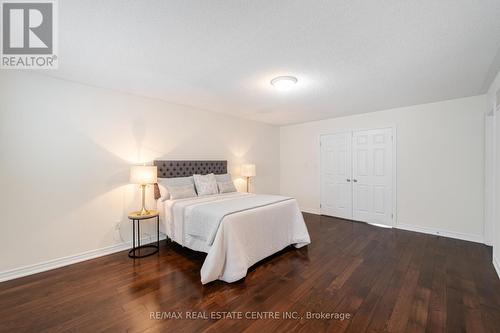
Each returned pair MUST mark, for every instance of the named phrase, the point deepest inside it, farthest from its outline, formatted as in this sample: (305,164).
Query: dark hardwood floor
(386,280)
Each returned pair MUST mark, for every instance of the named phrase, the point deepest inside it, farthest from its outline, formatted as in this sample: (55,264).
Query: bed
(235,229)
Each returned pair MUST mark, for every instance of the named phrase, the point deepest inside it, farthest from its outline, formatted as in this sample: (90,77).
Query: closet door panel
(372,176)
(336,165)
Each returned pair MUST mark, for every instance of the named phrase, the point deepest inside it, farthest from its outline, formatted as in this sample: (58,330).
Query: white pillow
(181,192)
(226,187)
(226,177)
(205,184)
(164,183)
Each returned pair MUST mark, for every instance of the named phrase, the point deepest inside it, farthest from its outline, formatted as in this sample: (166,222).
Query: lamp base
(143,210)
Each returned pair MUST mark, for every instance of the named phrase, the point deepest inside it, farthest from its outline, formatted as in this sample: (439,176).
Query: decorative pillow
(205,184)
(164,183)
(226,177)
(181,192)
(226,187)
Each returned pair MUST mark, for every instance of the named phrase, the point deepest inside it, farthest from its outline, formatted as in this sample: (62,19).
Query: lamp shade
(143,174)
(248,170)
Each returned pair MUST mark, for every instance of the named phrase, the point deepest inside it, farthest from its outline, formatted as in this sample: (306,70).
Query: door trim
(490,156)
(394,164)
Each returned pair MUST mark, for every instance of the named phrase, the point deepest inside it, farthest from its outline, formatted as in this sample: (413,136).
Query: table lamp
(247,171)
(143,175)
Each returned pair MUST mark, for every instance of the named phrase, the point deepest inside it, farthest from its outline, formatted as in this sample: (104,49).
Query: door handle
(348,180)
(355,180)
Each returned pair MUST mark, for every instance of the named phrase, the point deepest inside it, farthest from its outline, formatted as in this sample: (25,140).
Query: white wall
(66,149)
(493,105)
(440,163)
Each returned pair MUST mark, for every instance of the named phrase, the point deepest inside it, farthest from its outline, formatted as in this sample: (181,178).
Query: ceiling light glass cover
(284,82)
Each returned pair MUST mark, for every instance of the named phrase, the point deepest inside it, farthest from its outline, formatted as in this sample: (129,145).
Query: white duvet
(242,238)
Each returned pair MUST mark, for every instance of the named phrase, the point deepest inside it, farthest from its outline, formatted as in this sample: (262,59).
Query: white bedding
(242,239)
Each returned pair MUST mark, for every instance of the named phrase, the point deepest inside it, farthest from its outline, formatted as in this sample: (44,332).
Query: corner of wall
(496,265)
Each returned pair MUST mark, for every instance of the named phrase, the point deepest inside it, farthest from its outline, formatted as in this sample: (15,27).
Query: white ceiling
(350,56)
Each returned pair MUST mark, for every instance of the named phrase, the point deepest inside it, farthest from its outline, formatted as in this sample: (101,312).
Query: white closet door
(336,162)
(372,176)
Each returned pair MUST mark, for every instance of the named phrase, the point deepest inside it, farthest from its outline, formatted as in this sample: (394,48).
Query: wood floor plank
(385,279)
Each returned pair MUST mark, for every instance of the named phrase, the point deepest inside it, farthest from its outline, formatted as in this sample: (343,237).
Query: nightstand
(135,217)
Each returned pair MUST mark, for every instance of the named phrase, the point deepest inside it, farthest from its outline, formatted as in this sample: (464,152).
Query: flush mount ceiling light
(284,82)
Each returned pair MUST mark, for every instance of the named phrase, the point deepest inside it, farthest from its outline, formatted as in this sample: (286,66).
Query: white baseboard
(441,232)
(425,230)
(310,210)
(496,264)
(73,259)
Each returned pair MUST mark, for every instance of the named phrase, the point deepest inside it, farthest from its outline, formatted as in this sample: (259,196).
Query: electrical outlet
(117,225)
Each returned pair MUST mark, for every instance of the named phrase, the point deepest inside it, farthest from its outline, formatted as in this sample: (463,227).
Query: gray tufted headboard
(173,169)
